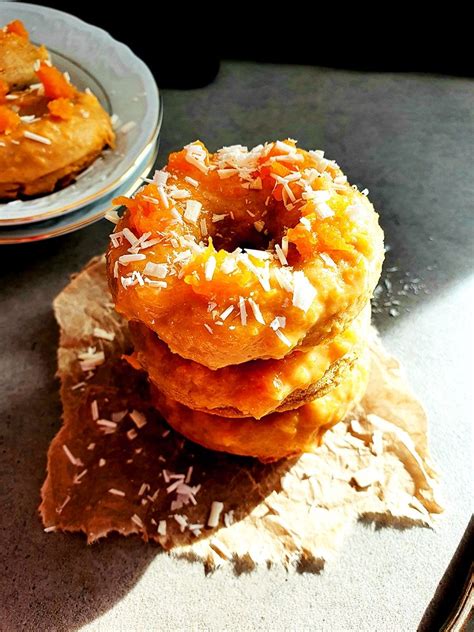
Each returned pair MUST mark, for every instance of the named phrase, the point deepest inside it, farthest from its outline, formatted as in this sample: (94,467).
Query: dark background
(183,45)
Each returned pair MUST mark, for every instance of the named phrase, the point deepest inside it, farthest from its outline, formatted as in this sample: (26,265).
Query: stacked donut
(49,130)
(246,278)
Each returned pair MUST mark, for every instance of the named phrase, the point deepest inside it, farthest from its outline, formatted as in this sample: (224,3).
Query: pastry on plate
(18,56)
(49,132)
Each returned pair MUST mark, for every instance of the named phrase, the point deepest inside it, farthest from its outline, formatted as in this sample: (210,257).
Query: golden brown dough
(255,388)
(29,167)
(276,436)
(49,131)
(17,60)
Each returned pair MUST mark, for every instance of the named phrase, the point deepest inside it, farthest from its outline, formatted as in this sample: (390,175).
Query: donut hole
(230,234)
(30,103)
(260,230)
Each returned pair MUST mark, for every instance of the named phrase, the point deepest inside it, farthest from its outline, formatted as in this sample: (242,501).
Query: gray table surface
(410,140)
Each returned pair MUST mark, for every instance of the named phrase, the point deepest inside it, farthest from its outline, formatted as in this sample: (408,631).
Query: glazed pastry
(256,388)
(243,255)
(276,436)
(49,132)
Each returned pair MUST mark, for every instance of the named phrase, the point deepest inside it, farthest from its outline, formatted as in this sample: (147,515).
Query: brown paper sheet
(373,466)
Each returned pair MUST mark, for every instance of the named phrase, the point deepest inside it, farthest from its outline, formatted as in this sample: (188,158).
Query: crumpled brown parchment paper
(373,466)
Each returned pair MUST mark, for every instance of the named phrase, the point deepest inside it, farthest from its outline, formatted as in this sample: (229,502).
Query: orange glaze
(4,90)
(17,27)
(61,108)
(276,436)
(314,214)
(253,389)
(9,120)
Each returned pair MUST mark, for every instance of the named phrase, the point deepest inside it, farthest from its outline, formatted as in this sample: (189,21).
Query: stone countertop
(410,140)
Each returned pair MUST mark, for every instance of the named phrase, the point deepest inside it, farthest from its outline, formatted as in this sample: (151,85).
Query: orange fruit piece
(18,28)
(9,120)
(61,108)
(54,82)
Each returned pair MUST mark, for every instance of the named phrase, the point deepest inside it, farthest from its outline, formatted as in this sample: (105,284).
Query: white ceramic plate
(70,222)
(125,87)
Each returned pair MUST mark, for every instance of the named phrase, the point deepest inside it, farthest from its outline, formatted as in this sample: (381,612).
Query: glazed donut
(49,134)
(18,56)
(253,389)
(244,255)
(276,436)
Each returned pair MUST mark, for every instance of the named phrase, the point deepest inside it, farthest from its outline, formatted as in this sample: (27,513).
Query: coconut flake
(129,236)
(37,137)
(256,311)
(366,477)
(119,415)
(281,255)
(229,518)
(112,216)
(162,527)
(104,335)
(116,492)
(278,322)
(192,211)
(160,178)
(157,270)
(94,410)
(182,256)
(127,127)
(181,520)
(138,521)
(243,311)
(215,513)
(259,254)
(303,292)
(327,260)
(70,455)
(323,210)
(138,418)
(282,337)
(191,181)
(189,473)
(227,312)
(126,259)
(306,223)
(228,265)
(106,423)
(209,268)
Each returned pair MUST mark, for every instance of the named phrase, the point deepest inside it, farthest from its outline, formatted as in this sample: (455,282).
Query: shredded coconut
(215,513)
(303,292)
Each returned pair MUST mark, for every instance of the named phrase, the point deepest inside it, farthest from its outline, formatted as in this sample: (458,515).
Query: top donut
(240,255)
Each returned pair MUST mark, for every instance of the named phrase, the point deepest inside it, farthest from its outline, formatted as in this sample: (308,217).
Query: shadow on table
(47,581)
(56,581)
